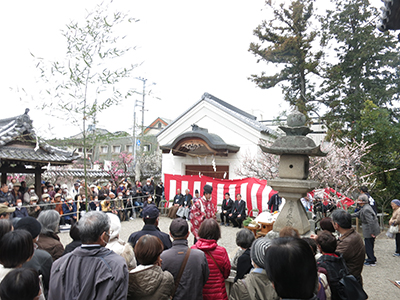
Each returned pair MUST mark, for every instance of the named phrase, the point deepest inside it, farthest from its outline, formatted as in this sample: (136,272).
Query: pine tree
(366,67)
(286,41)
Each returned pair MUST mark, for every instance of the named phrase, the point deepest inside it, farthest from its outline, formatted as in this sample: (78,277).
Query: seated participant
(69,211)
(184,208)
(238,213)
(20,211)
(178,200)
(226,208)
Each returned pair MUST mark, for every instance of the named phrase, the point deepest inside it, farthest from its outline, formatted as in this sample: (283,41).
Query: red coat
(215,285)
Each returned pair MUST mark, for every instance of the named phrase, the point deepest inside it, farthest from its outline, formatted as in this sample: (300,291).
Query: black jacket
(148,189)
(178,199)
(274,202)
(41,261)
(336,268)
(227,205)
(244,265)
(152,230)
(187,199)
(239,208)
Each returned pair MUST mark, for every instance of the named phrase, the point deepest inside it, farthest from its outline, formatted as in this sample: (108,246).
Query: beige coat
(395,217)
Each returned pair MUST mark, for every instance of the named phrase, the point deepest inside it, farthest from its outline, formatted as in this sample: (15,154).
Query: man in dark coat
(150,219)
(274,202)
(91,271)
(148,189)
(370,227)
(226,208)
(41,260)
(238,213)
(196,271)
(159,193)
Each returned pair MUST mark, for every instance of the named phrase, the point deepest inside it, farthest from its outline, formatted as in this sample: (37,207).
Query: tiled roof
(233,111)
(19,144)
(77,173)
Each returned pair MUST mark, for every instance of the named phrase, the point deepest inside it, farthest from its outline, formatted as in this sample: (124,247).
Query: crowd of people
(152,264)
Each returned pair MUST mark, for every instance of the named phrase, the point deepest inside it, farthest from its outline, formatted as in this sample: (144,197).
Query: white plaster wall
(230,129)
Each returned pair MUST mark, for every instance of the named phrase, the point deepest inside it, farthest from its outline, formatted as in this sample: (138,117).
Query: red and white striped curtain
(254,191)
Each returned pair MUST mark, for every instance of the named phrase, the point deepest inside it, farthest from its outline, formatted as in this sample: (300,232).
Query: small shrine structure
(21,151)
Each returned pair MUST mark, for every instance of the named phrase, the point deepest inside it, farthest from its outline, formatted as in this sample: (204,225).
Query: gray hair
(363,198)
(342,218)
(49,219)
(92,225)
(244,238)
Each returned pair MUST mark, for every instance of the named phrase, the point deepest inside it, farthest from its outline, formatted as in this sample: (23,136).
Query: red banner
(254,191)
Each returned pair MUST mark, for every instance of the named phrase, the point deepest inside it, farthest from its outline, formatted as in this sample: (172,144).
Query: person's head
(289,231)
(179,229)
(341,219)
(4,188)
(31,225)
(395,203)
(74,232)
(362,199)
(257,252)
(50,187)
(292,254)
(210,230)
(31,189)
(111,195)
(244,238)
(326,224)
(21,284)
(5,211)
(148,181)
(363,189)
(148,249)
(150,215)
(49,219)
(227,196)
(238,197)
(196,194)
(17,186)
(57,197)
(34,200)
(312,243)
(115,226)
(16,248)
(94,228)
(5,226)
(326,242)
(178,191)
(187,191)
(120,195)
(18,202)
(13,180)
(46,197)
(207,191)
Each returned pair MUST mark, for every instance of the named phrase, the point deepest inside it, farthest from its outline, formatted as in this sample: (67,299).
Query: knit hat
(207,189)
(396,201)
(30,224)
(257,251)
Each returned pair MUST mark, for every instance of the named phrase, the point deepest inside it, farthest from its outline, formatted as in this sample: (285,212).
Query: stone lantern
(294,150)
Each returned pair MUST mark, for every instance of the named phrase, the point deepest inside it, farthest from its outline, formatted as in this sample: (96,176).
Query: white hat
(115,226)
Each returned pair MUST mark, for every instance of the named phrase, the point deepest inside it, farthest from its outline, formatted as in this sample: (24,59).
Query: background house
(211,138)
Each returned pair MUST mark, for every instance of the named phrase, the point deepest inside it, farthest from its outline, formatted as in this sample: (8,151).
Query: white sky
(187,48)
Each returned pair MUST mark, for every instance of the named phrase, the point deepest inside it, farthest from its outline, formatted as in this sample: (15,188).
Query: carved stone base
(293,213)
